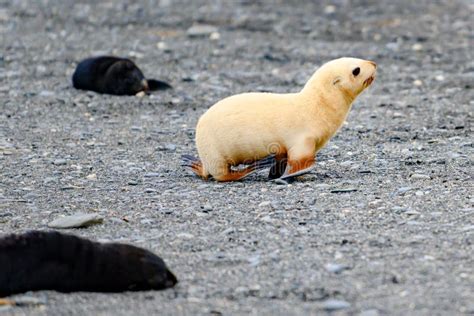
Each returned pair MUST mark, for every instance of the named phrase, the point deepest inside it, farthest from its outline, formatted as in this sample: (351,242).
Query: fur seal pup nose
(113,75)
(54,261)
(284,131)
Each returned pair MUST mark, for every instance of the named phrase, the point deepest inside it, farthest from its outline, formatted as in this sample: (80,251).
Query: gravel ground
(385,223)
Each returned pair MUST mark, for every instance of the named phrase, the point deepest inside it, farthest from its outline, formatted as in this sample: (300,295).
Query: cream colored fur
(250,126)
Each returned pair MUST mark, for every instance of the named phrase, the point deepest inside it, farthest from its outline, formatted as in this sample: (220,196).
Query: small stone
(334,305)
(132,182)
(417,83)
(419,176)
(344,190)
(404,190)
(76,221)
(207,207)
(141,94)
(185,236)
(151,175)
(46,93)
(329,9)
(60,162)
(91,176)
(199,30)
(163,46)
(417,47)
(150,190)
(369,312)
(214,36)
(439,78)
(336,268)
(265,204)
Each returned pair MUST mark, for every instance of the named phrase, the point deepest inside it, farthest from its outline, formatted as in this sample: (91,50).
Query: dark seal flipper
(55,261)
(154,85)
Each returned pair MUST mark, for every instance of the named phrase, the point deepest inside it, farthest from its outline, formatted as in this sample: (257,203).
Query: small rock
(369,312)
(214,36)
(439,78)
(265,204)
(76,221)
(91,176)
(141,94)
(207,208)
(336,268)
(417,83)
(150,190)
(60,162)
(334,305)
(419,176)
(417,47)
(329,9)
(132,182)
(199,30)
(151,175)
(345,190)
(46,93)
(185,235)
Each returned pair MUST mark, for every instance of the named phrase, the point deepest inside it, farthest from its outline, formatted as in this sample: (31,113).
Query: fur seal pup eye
(113,75)
(40,260)
(280,131)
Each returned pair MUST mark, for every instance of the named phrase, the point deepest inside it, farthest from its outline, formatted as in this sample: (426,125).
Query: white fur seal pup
(284,131)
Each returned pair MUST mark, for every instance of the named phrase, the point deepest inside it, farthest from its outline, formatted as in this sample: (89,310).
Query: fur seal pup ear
(113,75)
(283,131)
(54,261)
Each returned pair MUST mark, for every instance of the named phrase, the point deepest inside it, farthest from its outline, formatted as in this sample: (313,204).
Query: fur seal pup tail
(154,85)
(39,260)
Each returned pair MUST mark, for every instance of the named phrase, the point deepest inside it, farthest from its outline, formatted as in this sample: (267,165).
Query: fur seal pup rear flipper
(54,261)
(195,165)
(154,85)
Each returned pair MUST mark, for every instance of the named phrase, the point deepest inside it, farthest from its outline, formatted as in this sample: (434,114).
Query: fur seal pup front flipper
(291,126)
(40,260)
(113,75)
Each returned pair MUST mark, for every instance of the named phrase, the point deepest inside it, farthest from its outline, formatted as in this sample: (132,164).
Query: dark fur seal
(54,261)
(113,75)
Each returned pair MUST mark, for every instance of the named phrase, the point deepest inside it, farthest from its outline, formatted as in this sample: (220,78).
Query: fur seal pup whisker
(291,128)
(40,260)
(113,75)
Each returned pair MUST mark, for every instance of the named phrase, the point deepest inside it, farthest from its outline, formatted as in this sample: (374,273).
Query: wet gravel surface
(385,223)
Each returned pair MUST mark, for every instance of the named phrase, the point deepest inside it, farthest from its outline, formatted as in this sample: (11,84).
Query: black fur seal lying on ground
(113,75)
(54,261)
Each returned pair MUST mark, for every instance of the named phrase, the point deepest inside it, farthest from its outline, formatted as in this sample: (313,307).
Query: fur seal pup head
(348,75)
(113,75)
(280,131)
(40,260)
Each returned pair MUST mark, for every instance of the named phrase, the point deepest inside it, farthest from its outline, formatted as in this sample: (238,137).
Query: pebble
(91,176)
(76,221)
(420,176)
(151,175)
(336,268)
(214,36)
(265,204)
(439,78)
(185,236)
(369,312)
(132,182)
(150,190)
(200,30)
(417,47)
(345,190)
(46,93)
(334,305)
(417,83)
(60,162)
(207,207)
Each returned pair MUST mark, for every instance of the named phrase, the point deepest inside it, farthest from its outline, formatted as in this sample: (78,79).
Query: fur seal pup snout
(113,75)
(285,129)
(54,261)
